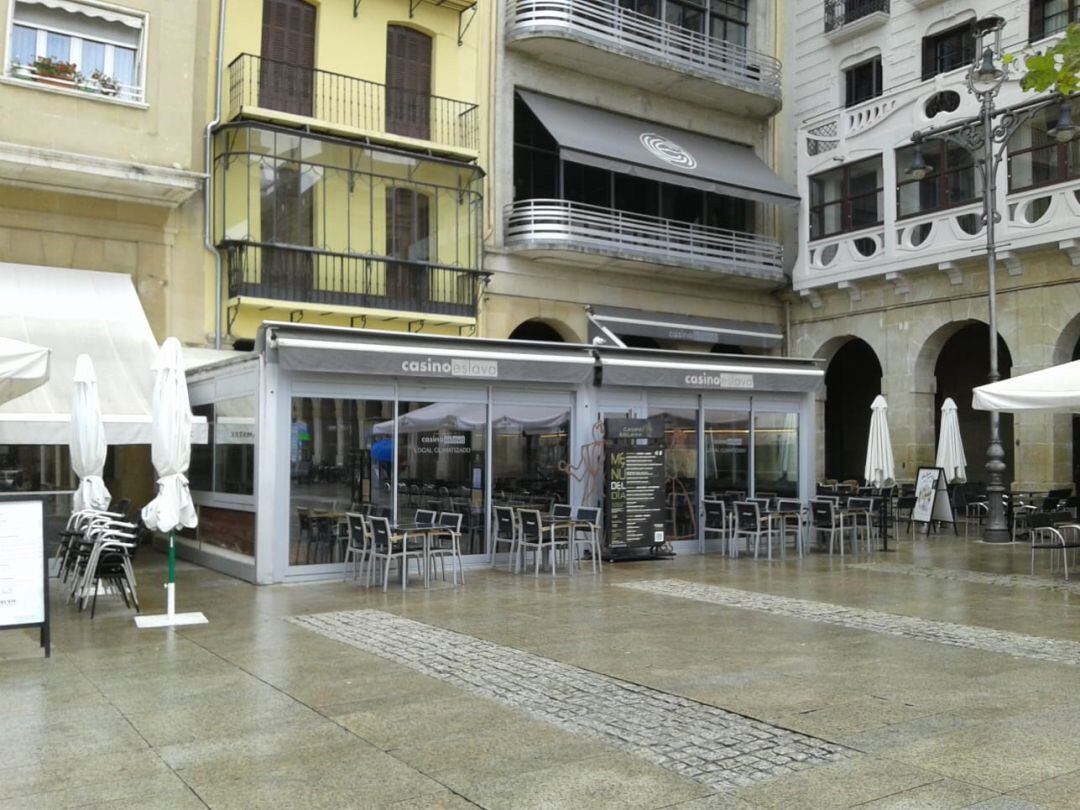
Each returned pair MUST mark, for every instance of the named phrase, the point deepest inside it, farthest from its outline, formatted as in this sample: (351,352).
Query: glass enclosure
(530,454)
(680,463)
(727,452)
(776,454)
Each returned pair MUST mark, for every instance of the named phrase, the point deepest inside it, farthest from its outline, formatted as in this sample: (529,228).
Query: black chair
(1048,532)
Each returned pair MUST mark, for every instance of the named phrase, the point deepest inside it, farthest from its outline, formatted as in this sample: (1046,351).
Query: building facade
(346,183)
(891,275)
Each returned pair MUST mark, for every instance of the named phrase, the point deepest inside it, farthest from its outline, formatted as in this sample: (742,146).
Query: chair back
(424,517)
(715,515)
(747,515)
(589,514)
(821,514)
(357,524)
(789,505)
(561,511)
(763,503)
(504,522)
(303,515)
(860,504)
(532,529)
(1041,520)
(450,520)
(380,531)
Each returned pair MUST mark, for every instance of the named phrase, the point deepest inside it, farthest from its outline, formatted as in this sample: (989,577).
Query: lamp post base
(996,536)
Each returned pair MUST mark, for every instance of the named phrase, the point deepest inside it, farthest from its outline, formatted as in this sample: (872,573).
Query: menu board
(22,564)
(635,478)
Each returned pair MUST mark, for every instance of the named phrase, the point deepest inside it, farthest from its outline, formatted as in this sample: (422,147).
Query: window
(948,50)
(724,20)
(1037,159)
(952,182)
(78,46)
(862,82)
(1052,16)
(846,199)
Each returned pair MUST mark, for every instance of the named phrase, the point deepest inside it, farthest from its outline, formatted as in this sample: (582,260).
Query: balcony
(604,237)
(600,38)
(345,105)
(848,18)
(277,275)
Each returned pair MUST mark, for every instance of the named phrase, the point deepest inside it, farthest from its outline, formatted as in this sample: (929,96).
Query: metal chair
(358,545)
(587,532)
(446,542)
(750,523)
(506,533)
(1047,532)
(826,517)
(717,523)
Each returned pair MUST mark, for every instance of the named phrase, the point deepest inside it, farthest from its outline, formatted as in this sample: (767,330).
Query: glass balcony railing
(350,102)
(564,225)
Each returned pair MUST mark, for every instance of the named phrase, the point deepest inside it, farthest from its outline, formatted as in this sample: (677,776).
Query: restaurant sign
(452,367)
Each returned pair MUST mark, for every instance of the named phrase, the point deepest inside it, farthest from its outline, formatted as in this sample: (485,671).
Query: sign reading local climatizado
(705,379)
(451,367)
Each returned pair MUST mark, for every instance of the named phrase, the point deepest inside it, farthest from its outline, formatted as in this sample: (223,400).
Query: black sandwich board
(932,504)
(24,570)
(635,478)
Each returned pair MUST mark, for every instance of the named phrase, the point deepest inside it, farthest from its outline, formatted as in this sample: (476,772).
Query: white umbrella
(880,469)
(950,449)
(23,367)
(170,450)
(88,448)
(1049,389)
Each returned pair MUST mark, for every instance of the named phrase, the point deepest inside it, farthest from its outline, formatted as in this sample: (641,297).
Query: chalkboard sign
(24,576)
(635,476)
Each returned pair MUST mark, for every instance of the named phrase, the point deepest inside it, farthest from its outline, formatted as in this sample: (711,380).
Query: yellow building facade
(346,184)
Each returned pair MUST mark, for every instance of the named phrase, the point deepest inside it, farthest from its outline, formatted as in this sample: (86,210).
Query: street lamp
(986,140)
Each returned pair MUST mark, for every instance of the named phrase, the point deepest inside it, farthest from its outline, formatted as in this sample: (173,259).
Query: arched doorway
(963,364)
(852,380)
(536,330)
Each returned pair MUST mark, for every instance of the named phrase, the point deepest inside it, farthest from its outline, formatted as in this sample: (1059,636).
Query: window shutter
(288,53)
(1036,16)
(408,82)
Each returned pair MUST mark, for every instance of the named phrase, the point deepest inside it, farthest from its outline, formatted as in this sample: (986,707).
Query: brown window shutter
(408,82)
(288,53)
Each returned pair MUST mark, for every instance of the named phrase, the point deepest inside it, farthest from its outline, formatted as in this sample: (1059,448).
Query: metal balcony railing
(607,24)
(313,276)
(839,13)
(560,224)
(350,102)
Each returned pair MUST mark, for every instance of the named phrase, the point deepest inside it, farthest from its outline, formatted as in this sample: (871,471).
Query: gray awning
(433,362)
(644,369)
(633,146)
(667,326)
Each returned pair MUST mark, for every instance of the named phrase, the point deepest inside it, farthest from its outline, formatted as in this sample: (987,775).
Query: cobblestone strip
(709,745)
(1017,645)
(974,577)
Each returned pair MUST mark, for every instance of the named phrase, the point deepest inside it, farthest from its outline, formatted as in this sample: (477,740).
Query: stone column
(911,421)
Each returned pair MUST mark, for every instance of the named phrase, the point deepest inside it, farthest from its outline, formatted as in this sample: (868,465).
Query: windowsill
(31,84)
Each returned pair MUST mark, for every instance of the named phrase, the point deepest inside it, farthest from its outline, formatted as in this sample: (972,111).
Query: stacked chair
(96,552)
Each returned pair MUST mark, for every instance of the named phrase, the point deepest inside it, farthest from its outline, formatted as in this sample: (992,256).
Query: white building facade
(891,279)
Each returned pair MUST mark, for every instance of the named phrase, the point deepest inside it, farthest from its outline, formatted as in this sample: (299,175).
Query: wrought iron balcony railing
(839,13)
(313,276)
(607,24)
(564,225)
(347,101)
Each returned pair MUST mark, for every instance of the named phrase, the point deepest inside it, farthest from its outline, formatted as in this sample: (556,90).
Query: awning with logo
(431,358)
(663,369)
(686,328)
(648,149)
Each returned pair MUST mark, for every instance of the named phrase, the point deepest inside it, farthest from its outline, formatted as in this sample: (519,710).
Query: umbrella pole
(170,586)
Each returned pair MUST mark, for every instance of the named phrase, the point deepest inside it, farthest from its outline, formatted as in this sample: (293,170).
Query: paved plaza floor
(936,676)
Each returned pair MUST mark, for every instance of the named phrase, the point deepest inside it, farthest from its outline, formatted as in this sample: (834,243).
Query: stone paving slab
(973,577)
(704,743)
(1017,645)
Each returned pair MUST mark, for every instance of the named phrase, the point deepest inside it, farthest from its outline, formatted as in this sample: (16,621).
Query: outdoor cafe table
(570,525)
(424,531)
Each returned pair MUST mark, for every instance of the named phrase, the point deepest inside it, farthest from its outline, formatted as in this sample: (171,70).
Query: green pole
(172,556)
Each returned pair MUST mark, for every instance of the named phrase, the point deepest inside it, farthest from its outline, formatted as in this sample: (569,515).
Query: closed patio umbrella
(88,448)
(880,469)
(950,450)
(172,509)
(23,367)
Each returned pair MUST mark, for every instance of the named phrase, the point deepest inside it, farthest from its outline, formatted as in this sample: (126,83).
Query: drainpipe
(208,237)
(787,327)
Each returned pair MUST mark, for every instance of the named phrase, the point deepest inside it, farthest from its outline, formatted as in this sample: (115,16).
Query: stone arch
(853,378)
(544,329)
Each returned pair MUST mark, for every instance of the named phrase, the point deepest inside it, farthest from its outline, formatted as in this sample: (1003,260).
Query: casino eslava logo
(667,150)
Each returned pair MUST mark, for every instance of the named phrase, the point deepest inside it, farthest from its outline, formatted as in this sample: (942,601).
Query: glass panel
(776,454)
(23,44)
(58,46)
(341,456)
(531,449)
(234,446)
(680,461)
(727,452)
(124,70)
(441,464)
(201,469)
(93,58)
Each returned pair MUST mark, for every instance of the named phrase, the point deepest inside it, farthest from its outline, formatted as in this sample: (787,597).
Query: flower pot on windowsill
(22,72)
(55,81)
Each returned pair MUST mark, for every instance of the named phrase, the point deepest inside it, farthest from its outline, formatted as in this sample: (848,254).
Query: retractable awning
(446,359)
(633,146)
(73,312)
(662,369)
(667,326)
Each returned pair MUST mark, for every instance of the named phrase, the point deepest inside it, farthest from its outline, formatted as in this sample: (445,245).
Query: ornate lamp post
(985,137)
